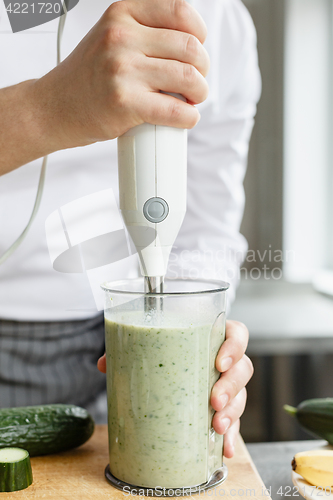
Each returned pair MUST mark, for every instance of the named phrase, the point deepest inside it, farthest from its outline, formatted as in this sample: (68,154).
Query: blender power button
(155,210)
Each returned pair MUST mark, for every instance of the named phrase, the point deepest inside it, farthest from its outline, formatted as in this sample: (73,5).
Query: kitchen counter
(273,461)
(79,475)
(284,318)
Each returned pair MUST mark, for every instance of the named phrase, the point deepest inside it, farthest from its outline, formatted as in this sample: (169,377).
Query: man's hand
(228,396)
(110,83)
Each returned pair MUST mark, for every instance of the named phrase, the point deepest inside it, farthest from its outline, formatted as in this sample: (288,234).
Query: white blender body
(152,161)
(152,164)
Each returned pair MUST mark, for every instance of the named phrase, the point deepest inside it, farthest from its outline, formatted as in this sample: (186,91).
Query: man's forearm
(23,134)
(110,83)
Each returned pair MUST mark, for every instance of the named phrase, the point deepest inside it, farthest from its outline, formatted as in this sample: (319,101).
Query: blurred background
(286,291)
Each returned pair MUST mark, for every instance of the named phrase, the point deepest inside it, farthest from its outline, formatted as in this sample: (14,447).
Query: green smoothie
(159,381)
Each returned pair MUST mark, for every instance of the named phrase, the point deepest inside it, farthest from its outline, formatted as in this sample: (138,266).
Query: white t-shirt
(209,244)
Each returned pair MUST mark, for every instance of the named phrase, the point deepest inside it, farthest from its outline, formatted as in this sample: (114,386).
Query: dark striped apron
(53,362)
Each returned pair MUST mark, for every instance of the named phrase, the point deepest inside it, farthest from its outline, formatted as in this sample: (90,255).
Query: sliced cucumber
(15,469)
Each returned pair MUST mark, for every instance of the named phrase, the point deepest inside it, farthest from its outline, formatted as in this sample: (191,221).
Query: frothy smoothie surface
(159,382)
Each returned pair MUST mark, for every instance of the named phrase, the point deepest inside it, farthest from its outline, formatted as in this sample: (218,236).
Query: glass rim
(221,286)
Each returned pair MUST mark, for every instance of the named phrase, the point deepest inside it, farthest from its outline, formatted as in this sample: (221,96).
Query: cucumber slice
(15,469)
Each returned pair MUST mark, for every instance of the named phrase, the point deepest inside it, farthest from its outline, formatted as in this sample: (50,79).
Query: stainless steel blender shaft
(154,284)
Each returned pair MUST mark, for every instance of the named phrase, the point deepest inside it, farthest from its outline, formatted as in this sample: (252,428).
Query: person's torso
(30,289)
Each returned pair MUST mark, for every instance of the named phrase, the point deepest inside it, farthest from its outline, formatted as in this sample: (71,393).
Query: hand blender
(152,161)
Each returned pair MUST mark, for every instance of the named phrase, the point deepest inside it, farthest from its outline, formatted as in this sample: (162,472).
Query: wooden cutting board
(79,475)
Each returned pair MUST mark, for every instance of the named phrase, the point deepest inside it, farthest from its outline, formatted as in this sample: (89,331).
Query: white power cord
(40,188)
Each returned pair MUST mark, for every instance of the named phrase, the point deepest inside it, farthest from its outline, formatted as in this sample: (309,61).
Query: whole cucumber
(315,416)
(42,430)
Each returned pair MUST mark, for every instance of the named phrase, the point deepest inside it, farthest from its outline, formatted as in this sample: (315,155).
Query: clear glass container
(161,350)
